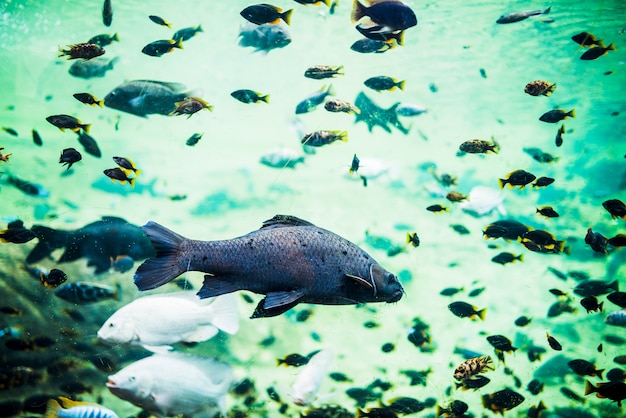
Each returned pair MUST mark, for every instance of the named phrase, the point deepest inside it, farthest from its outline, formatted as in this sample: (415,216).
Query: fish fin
(213,286)
(286,16)
(137,101)
(265,98)
(277,299)
(502,182)
(158,349)
(545,12)
(279,221)
(203,333)
(262,312)
(358,11)
(225,313)
(52,408)
(175,87)
(179,44)
(359,280)
(571,113)
(401,84)
(165,266)
(481,314)
(49,240)
(589,388)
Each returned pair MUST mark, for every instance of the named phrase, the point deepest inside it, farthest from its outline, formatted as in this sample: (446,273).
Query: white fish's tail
(225,313)
(164,267)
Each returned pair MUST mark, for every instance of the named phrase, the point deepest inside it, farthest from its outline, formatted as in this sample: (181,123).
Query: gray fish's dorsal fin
(174,86)
(280,221)
(114,220)
(359,281)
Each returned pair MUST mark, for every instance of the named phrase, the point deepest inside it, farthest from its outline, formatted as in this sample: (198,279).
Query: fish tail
(599,372)
(199,29)
(52,408)
(520,257)
(408,237)
(265,98)
(338,70)
(330,91)
(571,114)
(502,182)
(545,12)
(601,309)
(481,314)
(611,47)
(115,37)
(225,313)
(286,16)
(137,172)
(358,11)
(589,388)
(401,84)
(343,136)
(100,103)
(326,2)
(49,240)
(164,267)
(132,181)
(399,38)
(179,44)
(85,127)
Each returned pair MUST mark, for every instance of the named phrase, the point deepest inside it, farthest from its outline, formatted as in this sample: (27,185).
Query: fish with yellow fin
(67,408)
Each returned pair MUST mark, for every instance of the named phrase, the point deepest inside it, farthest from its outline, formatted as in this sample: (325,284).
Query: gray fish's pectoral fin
(359,281)
(214,286)
(279,221)
(276,303)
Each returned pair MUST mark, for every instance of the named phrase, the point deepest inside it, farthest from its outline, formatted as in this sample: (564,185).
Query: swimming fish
(25,186)
(85,51)
(93,68)
(117,174)
(310,378)
(473,366)
(264,38)
(295,359)
(97,241)
(465,310)
(336,105)
(161,47)
(36,138)
(145,97)
(186,34)
(548,212)
(597,52)
(107,13)
(479,146)
(321,138)
(615,391)
(156,322)
(249,96)
(4,157)
(16,233)
(62,407)
(615,207)
(586,39)
(519,178)
(380,83)
(539,88)
(289,260)
(392,14)
(88,99)
(558,140)
(83,293)
(190,105)
(127,164)
(265,13)
(69,156)
(556,115)
(518,16)
(176,383)
(368,46)
(313,100)
(160,21)
(506,258)
(373,115)
(104,39)
(320,72)
(502,400)
(194,139)
(64,122)
(89,144)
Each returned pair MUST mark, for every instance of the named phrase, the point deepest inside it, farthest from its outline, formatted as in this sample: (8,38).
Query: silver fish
(289,260)
(518,16)
(264,37)
(145,97)
(95,67)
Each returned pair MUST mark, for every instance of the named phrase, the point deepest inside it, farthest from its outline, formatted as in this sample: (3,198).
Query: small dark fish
(507,229)
(558,141)
(479,146)
(596,241)
(505,258)
(339,377)
(560,307)
(501,343)
(558,273)
(368,46)
(540,88)
(311,102)
(455,196)
(191,105)
(522,321)
(16,233)
(383,82)
(473,366)
(127,164)
(584,368)
(556,115)
(85,51)
(460,229)
(186,33)
(336,105)
(363,395)
(93,68)
(10,310)
(380,412)
(354,165)
(160,21)
(616,375)
(587,39)
(540,156)
(615,207)
(451,291)
(548,212)
(194,139)
(413,239)
(394,15)
(465,310)
(475,383)
(296,360)
(37,138)
(590,303)
(553,343)
(535,386)
(597,52)
(90,146)
(518,178)
(570,394)
(321,138)
(117,174)
(617,318)
(265,13)
(615,391)
(10,131)
(27,187)
(519,16)
(475,292)
(437,208)
(543,182)
(104,39)
(320,72)
(64,122)
(558,293)
(618,240)
(249,96)
(107,13)
(53,279)
(162,47)
(88,99)
(502,400)
(82,293)
(349,274)
(314,2)
(69,156)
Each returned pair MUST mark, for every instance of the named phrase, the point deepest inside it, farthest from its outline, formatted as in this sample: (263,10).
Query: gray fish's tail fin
(49,240)
(164,267)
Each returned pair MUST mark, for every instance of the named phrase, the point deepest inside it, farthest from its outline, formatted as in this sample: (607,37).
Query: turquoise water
(229,193)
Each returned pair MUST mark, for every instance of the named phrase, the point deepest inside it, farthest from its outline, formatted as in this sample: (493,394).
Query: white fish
(410,109)
(483,200)
(157,321)
(309,380)
(62,407)
(174,384)
(282,157)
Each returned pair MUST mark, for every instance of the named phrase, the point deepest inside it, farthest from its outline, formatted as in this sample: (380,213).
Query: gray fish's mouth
(396,296)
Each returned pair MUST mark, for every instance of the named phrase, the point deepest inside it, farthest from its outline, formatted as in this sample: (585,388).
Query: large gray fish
(518,16)
(289,260)
(100,242)
(264,37)
(145,97)
(96,67)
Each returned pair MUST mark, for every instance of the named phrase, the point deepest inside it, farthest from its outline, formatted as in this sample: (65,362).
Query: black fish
(69,156)
(395,15)
(373,115)
(107,13)
(597,52)
(32,189)
(145,97)
(99,242)
(518,16)
(186,33)
(104,39)
(16,233)
(89,144)
(162,47)
(37,138)
(82,293)
(288,259)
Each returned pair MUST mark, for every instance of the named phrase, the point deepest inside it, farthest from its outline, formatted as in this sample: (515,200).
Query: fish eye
(111,325)
(390,277)
(131,378)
